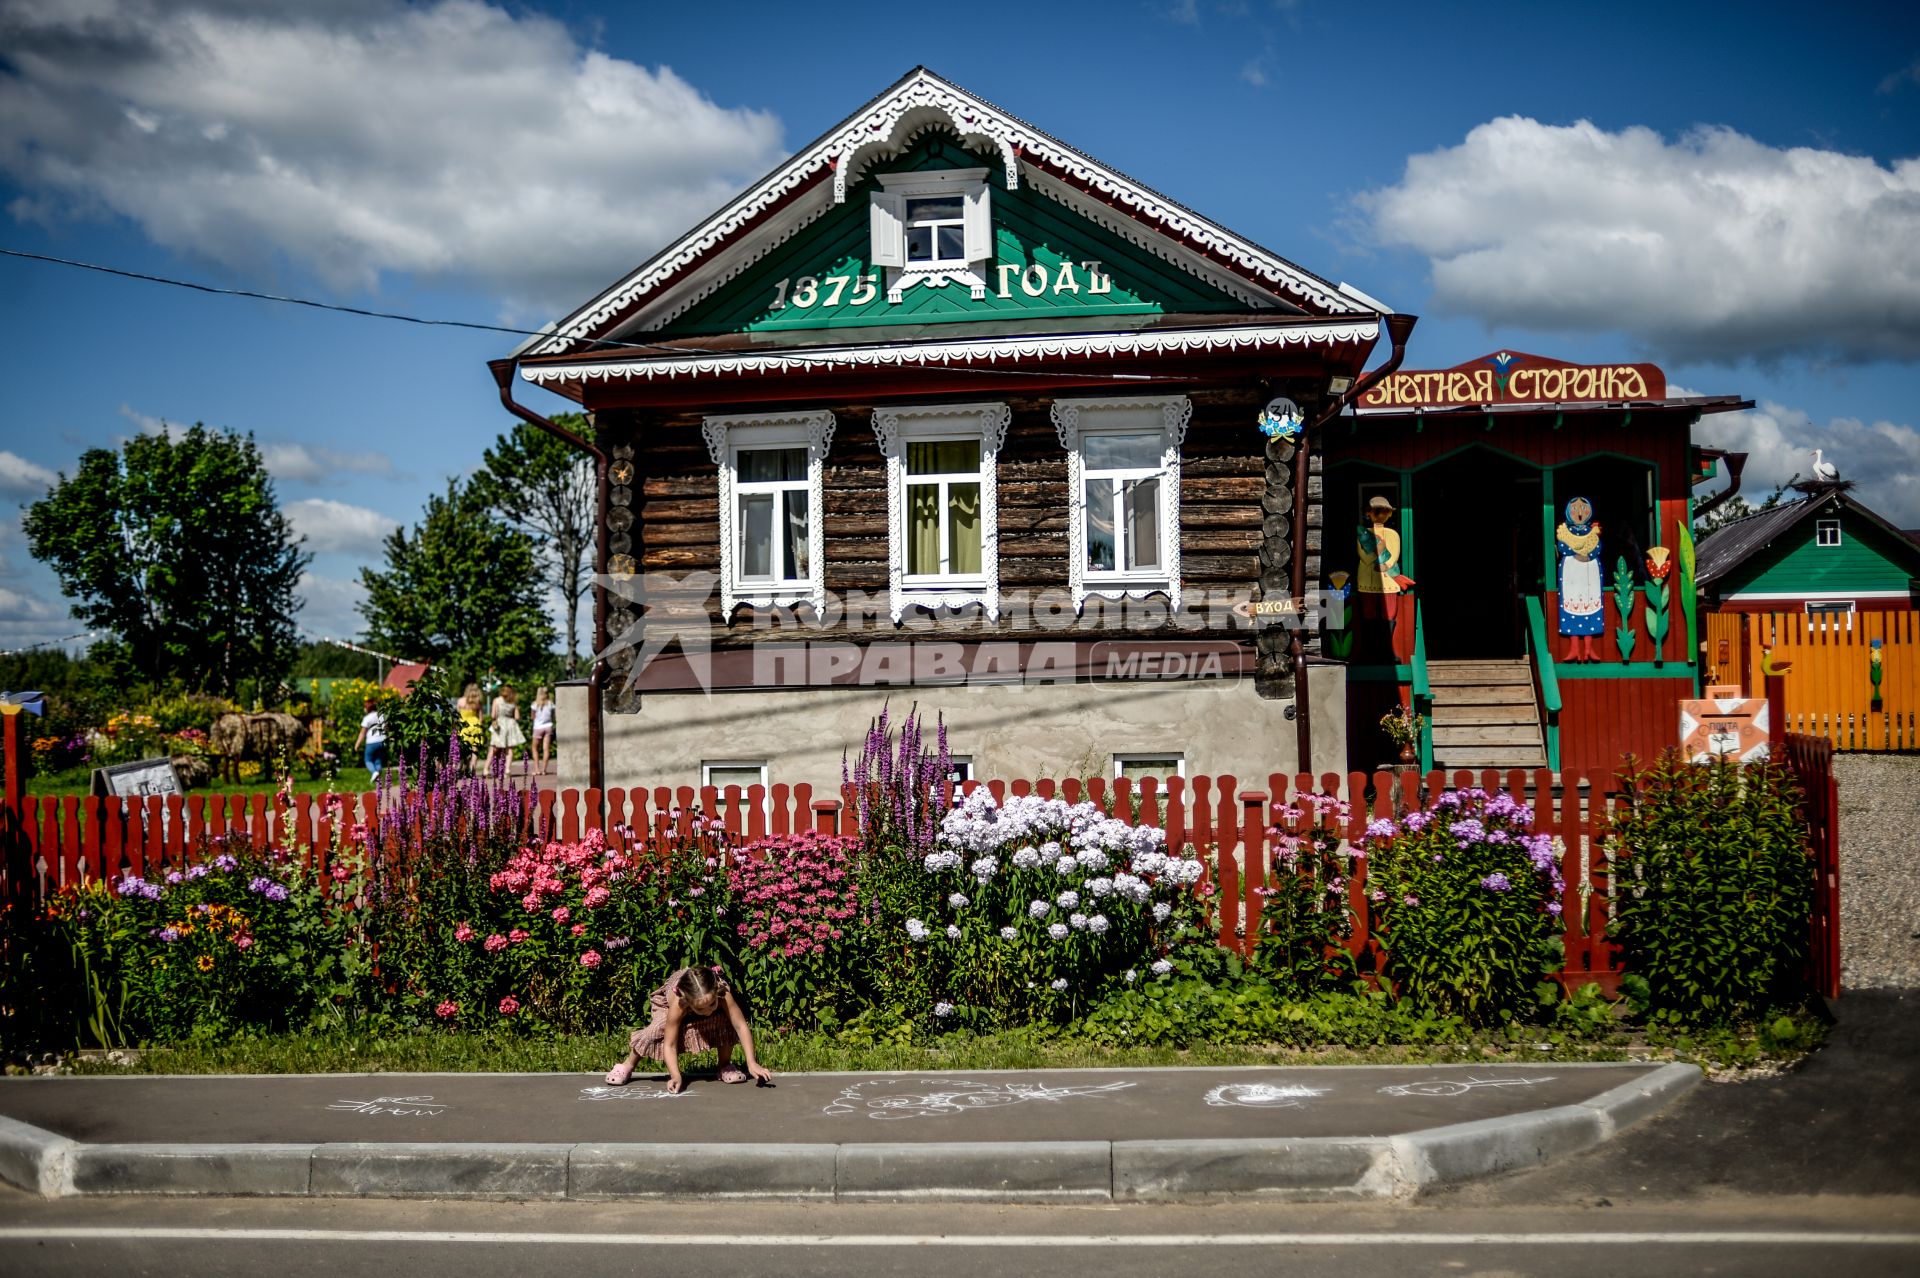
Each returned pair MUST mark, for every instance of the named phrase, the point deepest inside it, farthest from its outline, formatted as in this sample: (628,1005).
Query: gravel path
(1879,870)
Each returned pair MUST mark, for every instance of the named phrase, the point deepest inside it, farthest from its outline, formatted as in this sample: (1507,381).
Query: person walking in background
(542,729)
(506,736)
(473,724)
(373,736)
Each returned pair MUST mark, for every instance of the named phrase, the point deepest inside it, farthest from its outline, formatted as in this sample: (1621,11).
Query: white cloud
(22,478)
(1713,247)
(315,464)
(453,139)
(1883,457)
(336,527)
(330,606)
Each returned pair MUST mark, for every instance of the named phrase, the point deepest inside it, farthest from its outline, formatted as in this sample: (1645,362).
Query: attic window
(1826,532)
(932,227)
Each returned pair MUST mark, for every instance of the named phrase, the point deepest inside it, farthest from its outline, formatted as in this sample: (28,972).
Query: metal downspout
(1399,328)
(502,370)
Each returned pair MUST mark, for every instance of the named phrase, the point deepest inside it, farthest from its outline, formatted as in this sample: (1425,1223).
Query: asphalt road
(1811,1173)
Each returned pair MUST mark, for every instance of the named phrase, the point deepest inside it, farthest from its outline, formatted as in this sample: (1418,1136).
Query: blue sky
(1731,193)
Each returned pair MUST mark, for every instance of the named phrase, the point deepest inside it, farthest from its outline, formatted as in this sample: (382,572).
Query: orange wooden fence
(1829,692)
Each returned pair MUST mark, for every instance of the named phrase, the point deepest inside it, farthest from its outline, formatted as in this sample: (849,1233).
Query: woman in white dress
(506,735)
(542,729)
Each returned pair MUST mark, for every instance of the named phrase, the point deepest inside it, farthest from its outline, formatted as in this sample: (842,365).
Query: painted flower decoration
(1659,563)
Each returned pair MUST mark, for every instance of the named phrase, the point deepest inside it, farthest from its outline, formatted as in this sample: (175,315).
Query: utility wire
(502,328)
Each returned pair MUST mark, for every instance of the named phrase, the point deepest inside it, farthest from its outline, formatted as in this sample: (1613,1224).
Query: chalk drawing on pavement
(1263,1095)
(628,1093)
(891,1098)
(1457,1086)
(398,1106)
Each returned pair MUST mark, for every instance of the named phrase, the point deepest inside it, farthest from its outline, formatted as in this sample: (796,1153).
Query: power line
(365,313)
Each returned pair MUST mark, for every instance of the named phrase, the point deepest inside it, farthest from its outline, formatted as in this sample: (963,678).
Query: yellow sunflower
(204,962)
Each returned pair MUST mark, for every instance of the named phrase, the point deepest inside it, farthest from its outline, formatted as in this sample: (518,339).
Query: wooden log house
(946,412)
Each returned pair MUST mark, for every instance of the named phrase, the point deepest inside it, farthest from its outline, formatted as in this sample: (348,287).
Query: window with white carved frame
(942,510)
(1123,494)
(771,543)
(933,226)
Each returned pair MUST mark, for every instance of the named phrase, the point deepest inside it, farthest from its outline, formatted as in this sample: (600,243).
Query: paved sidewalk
(1010,1136)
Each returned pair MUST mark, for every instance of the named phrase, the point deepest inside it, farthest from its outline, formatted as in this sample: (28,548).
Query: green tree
(1736,508)
(176,543)
(545,488)
(460,589)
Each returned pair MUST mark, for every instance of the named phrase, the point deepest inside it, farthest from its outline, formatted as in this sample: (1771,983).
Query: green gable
(1867,559)
(1040,272)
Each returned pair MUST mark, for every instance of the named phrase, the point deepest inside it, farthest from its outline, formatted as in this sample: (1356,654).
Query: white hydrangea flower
(943,1009)
(1077,921)
(958,900)
(938,861)
(1026,858)
(1050,850)
(1058,931)
(1008,933)
(1092,859)
(953,932)
(1130,976)
(1100,886)
(1067,900)
(1066,865)
(985,867)
(1160,967)
(1132,888)
(1060,983)
(1039,909)
(1097,924)
(1160,911)
(916,930)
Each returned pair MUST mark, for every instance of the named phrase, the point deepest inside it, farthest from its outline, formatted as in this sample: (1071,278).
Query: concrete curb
(1318,1169)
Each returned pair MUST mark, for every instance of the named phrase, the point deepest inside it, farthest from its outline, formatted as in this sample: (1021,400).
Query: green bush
(1467,904)
(1711,885)
(242,940)
(1305,918)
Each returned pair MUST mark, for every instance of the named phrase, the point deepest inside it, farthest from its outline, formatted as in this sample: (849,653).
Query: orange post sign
(1724,728)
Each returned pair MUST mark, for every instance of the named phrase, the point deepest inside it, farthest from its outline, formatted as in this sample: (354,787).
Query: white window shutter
(979,225)
(887,220)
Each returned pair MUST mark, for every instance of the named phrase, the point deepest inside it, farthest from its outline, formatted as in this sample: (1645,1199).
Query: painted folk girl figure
(1582,615)
(692,1012)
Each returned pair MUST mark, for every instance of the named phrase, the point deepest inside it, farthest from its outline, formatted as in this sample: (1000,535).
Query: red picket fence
(58,841)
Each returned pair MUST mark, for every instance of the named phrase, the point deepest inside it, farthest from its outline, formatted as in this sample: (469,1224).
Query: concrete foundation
(1040,730)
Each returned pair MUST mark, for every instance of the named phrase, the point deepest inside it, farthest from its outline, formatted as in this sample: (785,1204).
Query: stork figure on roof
(1824,472)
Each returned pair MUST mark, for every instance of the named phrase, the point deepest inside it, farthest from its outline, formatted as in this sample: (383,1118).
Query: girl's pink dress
(713,1032)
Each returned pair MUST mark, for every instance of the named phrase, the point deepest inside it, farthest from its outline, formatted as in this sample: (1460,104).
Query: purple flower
(1495,882)
(225,862)
(1469,831)
(1381,828)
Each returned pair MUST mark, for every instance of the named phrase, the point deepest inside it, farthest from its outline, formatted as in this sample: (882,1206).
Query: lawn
(346,781)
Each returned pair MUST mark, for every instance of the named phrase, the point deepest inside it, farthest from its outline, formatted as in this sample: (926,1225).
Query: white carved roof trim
(965,351)
(873,126)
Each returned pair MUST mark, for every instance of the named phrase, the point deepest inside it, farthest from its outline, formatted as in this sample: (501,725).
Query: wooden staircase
(1484,715)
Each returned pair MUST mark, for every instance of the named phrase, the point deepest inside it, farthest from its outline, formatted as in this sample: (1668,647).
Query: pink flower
(242,942)
(447,1010)
(530,902)
(494,944)
(597,897)
(518,935)
(463,934)
(561,914)
(578,929)
(509,1005)
(590,959)
(340,872)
